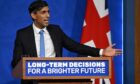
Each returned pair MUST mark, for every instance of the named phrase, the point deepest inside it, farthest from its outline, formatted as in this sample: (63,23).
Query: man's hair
(37,5)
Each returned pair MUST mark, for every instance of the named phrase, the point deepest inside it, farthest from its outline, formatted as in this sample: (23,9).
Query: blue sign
(67,68)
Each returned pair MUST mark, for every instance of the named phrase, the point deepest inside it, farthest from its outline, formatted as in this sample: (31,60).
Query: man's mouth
(46,21)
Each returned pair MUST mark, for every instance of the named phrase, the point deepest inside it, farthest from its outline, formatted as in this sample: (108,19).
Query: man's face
(41,17)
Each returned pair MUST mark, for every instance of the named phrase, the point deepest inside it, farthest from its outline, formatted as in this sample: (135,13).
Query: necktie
(42,45)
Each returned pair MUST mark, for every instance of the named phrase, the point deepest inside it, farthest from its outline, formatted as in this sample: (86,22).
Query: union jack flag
(96,30)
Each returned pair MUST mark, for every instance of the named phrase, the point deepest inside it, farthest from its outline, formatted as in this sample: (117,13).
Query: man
(42,36)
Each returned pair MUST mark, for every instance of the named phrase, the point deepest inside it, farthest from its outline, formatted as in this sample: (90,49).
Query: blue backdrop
(69,14)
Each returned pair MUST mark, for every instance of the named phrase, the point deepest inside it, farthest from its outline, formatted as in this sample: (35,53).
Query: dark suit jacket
(25,44)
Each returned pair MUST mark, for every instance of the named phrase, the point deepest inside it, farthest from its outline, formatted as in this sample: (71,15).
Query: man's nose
(47,15)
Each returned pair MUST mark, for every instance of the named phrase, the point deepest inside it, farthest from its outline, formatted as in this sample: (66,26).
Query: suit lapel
(32,42)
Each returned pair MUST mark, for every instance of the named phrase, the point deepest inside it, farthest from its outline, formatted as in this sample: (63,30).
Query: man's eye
(45,12)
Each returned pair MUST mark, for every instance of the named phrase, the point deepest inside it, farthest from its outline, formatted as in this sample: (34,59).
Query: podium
(63,70)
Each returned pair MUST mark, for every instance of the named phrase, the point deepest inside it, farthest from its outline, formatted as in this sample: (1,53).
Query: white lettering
(37,64)
(33,70)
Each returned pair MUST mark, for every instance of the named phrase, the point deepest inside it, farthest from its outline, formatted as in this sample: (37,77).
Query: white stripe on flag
(100,6)
(93,81)
(107,81)
(101,81)
(84,24)
(90,43)
(109,37)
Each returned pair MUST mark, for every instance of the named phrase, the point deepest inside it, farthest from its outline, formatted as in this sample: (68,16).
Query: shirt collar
(37,30)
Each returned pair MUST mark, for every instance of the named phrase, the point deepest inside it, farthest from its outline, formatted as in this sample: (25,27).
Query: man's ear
(33,15)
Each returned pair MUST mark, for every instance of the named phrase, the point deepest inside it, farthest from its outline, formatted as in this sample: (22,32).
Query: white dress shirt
(49,47)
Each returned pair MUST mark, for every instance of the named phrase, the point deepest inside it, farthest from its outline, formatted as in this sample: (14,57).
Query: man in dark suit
(28,40)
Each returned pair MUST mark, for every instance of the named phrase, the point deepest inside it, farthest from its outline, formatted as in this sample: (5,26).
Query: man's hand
(110,51)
